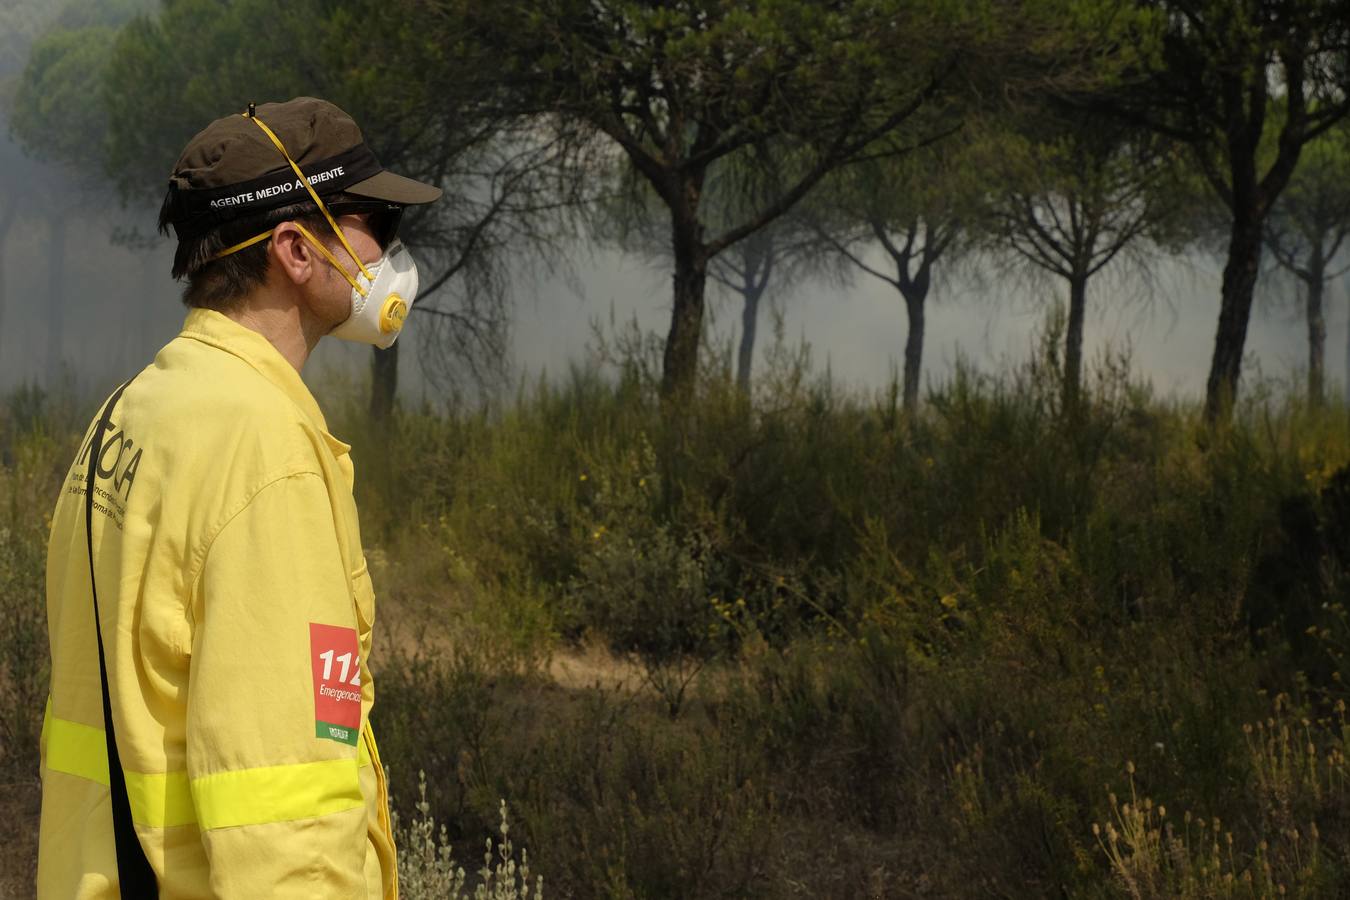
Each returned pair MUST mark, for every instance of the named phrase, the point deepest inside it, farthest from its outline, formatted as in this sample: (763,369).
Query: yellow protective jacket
(237,612)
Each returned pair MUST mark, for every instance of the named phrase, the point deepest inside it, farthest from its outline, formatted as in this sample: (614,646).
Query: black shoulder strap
(134,874)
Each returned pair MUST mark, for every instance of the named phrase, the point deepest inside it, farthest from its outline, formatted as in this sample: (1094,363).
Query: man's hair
(221,284)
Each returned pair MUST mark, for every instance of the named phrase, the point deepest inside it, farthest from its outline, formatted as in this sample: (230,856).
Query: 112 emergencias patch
(336,662)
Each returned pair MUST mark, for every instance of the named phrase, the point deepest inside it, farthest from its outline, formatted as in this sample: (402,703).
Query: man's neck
(285,328)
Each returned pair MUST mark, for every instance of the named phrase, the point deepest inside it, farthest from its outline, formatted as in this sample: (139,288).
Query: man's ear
(292,253)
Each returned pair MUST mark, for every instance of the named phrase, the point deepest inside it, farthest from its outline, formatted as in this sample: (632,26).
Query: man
(234,603)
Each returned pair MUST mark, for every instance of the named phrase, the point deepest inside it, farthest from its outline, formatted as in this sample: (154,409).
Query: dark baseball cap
(231,168)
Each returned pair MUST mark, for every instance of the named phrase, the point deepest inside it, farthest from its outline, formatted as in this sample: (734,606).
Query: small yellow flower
(583,476)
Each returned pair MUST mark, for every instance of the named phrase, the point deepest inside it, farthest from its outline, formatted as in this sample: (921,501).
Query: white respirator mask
(381,303)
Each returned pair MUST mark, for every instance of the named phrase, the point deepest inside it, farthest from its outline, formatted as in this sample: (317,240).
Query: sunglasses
(382,217)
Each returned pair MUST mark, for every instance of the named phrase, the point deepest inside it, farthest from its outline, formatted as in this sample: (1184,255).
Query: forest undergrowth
(998,648)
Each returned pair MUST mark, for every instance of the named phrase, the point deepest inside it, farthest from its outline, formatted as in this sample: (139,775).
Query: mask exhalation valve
(394,311)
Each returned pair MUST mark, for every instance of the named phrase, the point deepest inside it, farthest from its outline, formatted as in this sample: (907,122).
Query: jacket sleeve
(272,764)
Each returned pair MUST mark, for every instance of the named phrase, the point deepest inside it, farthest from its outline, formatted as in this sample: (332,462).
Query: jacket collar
(218,330)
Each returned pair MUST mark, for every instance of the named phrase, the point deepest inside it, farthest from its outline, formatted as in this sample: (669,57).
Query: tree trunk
(1239,283)
(1073,342)
(1317,334)
(55,301)
(686,315)
(914,303)
(749,323)
(383,382)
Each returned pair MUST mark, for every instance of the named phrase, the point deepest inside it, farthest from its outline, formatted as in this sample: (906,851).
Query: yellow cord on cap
(242,244)
(314,194)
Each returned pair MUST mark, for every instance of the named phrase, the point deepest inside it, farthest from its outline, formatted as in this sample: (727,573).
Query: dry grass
(19,807)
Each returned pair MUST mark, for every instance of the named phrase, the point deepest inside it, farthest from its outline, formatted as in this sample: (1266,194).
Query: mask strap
(323,209)
(242,244)
(332,259)
(309,236)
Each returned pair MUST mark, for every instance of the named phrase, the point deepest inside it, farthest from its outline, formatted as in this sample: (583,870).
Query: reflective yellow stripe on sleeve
(276,793)
(161,800)
(157,799)
(245,797)
(76,749)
